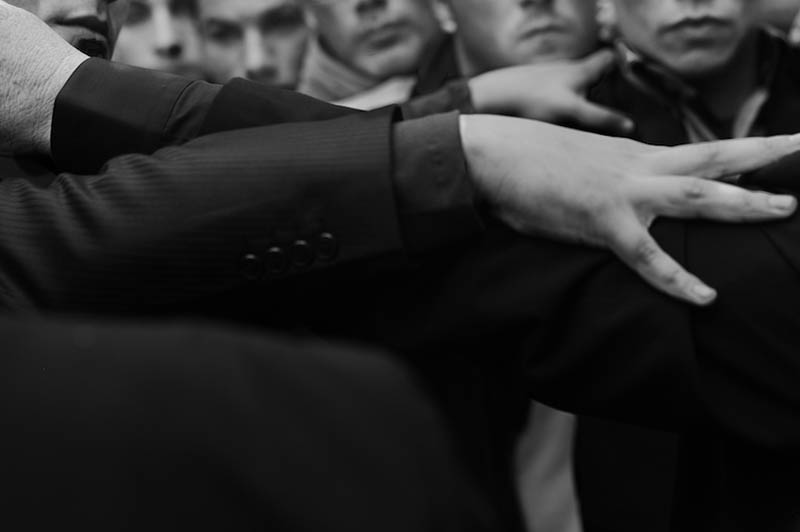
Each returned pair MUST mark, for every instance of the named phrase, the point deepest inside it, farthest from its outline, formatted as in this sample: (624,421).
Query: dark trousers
(120,427)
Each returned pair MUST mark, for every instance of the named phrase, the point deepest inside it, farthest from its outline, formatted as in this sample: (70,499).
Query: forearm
(178,224)
(107,109)
(224,211)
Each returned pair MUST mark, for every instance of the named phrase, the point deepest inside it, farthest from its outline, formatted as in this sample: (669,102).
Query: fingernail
(782,203)
(703,293)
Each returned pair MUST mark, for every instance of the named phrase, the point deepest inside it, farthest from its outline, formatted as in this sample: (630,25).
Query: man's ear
(441,8)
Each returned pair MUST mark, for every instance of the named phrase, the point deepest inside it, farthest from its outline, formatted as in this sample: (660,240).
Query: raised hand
(551,92)
(580,187)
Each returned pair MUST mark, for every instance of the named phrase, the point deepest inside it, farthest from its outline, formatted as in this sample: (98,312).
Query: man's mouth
(699,25)
(385,35)
(540,28)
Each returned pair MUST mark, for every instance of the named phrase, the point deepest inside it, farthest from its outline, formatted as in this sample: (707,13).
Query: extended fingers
(686,197)
(722,158)
(637,248)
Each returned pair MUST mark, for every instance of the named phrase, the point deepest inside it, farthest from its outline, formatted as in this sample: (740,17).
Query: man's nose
(370,7)
(167,43)
(259,60)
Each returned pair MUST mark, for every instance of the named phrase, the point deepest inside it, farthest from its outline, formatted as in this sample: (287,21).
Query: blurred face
(690,37)
(381,38)
(161,35)
(497,33)
(91,26)
(262,40)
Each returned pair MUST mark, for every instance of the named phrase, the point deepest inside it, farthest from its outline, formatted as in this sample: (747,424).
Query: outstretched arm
(538,178)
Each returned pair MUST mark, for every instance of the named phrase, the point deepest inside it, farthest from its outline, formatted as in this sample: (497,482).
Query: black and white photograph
(400,265)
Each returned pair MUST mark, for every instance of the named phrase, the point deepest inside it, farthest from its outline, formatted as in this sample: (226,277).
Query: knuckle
(672,277)
(777,145)
(715,162)
(694,190)
(644,252)
(713,152)
(767,143)
(746,200)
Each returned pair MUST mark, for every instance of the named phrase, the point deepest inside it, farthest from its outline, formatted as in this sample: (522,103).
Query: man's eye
(139,13)
(223,33)
(284,18)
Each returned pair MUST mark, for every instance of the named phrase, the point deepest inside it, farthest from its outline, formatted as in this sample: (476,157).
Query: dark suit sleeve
(454,96)
(108,109)
(580,331)
(249,206)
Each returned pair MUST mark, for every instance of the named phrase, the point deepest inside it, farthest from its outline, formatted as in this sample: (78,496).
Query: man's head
(380,38)
(690,37)
(92,26)
(161,35)
(500,33)
(263,40)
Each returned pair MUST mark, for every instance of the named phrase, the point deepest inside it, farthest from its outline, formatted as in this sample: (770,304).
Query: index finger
(714,160)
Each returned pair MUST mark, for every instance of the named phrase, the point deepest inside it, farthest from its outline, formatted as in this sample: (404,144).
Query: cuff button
(277,263)
(327,247)
(251,267)
(302,254)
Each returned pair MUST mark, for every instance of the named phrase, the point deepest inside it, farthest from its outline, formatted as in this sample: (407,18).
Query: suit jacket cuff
(435,197)
(455,96)
(108,109)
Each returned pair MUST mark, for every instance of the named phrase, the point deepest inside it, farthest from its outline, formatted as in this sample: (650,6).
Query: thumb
(590,68)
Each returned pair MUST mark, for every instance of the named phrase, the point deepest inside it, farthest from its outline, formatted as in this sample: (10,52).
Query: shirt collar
(327,78)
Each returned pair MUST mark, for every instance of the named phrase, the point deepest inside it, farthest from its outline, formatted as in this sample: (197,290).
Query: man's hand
(35,64)
(604,191)
(551,92)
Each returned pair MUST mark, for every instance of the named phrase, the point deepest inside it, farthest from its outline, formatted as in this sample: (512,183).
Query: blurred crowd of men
(364,53)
